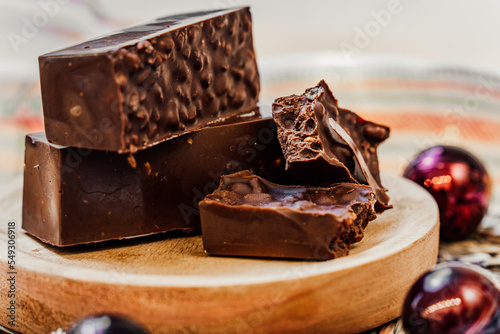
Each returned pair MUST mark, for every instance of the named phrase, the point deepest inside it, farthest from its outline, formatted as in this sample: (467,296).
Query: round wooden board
(171,286)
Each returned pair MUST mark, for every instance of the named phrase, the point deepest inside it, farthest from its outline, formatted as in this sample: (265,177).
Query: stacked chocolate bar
(121,156)
(156,128)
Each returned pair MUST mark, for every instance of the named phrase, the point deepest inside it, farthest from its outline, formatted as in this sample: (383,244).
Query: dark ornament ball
(106,324)
(460,185)
(452,298)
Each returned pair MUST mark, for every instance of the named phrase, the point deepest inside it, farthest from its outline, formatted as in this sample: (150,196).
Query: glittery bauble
(458,182)
(452,298)
(106,324)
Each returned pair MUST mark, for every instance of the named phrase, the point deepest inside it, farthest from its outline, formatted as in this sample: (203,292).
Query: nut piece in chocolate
(324,144)
(249,216)
(137,87)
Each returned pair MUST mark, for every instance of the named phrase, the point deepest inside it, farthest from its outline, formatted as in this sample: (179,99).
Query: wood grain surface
(169,285)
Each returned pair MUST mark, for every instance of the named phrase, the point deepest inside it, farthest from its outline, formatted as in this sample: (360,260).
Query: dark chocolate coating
(249,216)
(335,143)
(74,196)
(143,85)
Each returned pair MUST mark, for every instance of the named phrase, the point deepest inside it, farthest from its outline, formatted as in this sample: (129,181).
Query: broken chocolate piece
(324,144)
(135,88)
(74,196)
(249,216)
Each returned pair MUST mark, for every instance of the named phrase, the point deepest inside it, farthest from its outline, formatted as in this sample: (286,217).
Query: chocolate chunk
(249,216)
(324,144)
(140,86)
(74,196)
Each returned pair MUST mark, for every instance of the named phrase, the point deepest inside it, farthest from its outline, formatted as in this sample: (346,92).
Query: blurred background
(446,30)
(367,49)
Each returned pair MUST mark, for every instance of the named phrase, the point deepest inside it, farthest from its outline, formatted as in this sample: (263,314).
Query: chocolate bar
(140,86)
(335,143)
(249,216)
(74,196)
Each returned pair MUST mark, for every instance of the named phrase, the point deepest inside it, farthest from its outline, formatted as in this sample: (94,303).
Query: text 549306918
(11,272)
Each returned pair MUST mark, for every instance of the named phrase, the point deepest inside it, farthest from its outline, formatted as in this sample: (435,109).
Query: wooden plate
(170,285)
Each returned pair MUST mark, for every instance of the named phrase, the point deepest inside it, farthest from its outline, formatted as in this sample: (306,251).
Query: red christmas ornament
(458,182)
(452,298)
